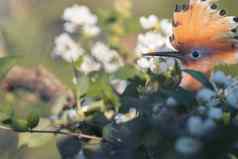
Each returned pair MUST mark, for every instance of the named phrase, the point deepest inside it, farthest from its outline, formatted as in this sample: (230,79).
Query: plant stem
(59,132)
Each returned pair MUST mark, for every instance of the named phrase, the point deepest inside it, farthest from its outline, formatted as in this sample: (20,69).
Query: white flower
(109,58)
(72,114)
(122,118)
(70,27)
(187,145)
(163,66)
(155,64)
(143,63)
(166,27)
(89,65)
(102,52)
(149,22)
(119,85)
(91,30)
(67,48)
(150,41)
(215,113)
(206,95)
(111,67)
(79,15)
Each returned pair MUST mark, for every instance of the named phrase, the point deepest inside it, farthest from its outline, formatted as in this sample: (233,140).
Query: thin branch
(57,132)
(80,135)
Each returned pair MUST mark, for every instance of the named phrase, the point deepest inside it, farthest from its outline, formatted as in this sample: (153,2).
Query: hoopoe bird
(203,37)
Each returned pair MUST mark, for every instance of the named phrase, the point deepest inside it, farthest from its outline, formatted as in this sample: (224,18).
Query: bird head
(203,37)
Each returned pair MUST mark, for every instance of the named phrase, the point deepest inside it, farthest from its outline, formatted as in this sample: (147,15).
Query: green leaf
(78,63)
(200,77)
(19,125)
(33,119)
(127,72)
(5,112)
(83,84)
(100,87)
(226,118)
(6,63)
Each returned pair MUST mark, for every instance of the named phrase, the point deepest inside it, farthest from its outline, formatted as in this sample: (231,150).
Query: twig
(59,132)
(75,91)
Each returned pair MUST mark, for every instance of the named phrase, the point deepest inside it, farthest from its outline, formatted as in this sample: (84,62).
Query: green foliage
(6,63)
(34,140)
(33,119)
(19,125)
(128,72)
(200,77)
(228,69)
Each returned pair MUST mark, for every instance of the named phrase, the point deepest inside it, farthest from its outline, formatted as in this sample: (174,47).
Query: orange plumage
(204,37)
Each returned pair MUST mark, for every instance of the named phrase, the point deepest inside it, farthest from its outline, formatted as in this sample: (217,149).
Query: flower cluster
(67,48)
(80,17)
(155,38)
(98,56)
(89,53)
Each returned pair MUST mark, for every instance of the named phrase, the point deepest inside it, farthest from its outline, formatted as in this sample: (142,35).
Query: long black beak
(173,54)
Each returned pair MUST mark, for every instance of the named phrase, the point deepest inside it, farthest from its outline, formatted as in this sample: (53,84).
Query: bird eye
(195,55)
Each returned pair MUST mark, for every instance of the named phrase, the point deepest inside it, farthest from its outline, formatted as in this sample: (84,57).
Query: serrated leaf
(36,139)
(83,84)
(33,119)
(6,63)
(100,87)
(200,77)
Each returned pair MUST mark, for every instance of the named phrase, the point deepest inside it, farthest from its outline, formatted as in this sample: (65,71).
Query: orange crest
(204,35)
(200,24)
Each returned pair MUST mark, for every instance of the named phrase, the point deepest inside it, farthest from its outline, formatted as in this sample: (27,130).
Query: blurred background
(28,28)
